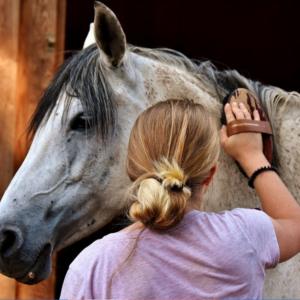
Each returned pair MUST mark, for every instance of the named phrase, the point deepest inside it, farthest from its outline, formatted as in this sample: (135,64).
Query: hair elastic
(158,179)
(174,188)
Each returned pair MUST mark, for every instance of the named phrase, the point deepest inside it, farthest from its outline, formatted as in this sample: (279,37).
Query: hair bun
(153,200)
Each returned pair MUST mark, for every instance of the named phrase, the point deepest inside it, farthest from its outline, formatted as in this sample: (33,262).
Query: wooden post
(37,63)
(60,32)
(32,34)
(42,35)
(9,31)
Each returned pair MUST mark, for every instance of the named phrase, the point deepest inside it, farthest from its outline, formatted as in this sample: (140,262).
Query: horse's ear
(109,35)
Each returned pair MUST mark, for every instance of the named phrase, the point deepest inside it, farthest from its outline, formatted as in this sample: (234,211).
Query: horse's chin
(41,268)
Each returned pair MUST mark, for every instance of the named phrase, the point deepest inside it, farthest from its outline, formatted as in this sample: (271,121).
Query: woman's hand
(242,147)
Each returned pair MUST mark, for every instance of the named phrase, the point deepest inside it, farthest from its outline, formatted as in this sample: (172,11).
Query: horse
(73,180)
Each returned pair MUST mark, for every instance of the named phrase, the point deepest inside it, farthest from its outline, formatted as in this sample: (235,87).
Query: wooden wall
(32,36)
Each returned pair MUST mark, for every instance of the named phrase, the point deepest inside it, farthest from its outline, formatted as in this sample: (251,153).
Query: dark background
(260,39)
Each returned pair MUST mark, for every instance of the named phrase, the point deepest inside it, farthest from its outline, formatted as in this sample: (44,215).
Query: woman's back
(206,256)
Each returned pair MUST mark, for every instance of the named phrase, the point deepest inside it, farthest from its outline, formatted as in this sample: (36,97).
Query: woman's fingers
(237,112)
(228,113)
(256,115)
(223,135)
(245,111)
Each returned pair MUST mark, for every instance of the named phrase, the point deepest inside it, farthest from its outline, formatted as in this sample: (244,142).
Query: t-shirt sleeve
(74,287)
(260,232)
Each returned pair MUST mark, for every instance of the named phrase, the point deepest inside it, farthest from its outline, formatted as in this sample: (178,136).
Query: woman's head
(173,147)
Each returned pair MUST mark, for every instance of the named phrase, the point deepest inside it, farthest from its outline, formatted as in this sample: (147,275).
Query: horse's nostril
(9,242)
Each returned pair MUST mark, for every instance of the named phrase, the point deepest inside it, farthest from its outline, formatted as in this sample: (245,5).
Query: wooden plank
(7,287)
(37,63)
(8,73)
(60,32)
(9,26)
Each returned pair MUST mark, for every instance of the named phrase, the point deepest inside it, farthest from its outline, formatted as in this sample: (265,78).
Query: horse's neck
(169,82)
(284,112)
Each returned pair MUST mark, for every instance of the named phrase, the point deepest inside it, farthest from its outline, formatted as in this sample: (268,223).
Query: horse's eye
(82,122)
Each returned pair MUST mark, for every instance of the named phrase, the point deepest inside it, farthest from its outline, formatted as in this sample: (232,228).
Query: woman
(173,250)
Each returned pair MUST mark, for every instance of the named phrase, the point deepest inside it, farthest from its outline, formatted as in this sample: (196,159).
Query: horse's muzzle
(15,260)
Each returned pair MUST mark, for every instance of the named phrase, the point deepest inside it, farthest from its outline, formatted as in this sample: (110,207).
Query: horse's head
(73,178)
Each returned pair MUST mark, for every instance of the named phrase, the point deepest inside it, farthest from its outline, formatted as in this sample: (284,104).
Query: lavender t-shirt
(208,255)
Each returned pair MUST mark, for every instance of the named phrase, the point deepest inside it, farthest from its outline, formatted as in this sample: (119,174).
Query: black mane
(81,76)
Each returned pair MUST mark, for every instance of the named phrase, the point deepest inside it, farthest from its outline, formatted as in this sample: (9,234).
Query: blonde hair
(173,147)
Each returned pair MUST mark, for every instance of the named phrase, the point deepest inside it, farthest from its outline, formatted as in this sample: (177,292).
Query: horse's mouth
(41,268)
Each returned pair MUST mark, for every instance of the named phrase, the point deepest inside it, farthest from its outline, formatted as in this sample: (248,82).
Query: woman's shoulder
(235,224)
(93,267)
(226,216)
(103,250)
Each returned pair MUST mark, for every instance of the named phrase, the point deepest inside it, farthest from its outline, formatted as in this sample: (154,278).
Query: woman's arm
(276,200)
